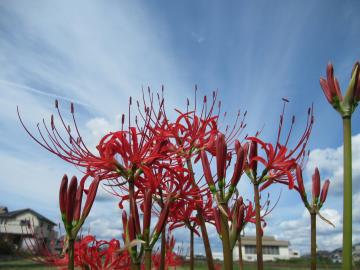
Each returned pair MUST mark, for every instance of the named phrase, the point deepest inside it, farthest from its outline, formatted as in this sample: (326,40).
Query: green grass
(23,264)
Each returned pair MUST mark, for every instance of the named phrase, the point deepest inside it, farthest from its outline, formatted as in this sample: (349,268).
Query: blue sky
(97,54)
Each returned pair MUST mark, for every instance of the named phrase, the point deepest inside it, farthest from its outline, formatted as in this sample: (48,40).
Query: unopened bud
(221,150)
(316,185)
(324,191)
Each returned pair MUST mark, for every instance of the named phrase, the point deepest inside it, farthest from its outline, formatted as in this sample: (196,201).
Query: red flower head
(279,159)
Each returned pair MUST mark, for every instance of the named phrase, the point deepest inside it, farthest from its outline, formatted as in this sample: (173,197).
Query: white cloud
(330,163)
(298,230)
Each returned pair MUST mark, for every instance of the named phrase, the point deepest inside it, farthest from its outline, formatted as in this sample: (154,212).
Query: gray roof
(266,241)
(12,214)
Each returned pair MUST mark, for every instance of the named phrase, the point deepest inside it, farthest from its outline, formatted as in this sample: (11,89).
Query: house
(26,229)
(272,249)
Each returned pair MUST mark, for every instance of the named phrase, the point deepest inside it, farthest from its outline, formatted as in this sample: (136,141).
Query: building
(26,229)
(272,249)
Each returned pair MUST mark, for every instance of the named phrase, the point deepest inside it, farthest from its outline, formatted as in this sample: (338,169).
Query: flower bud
(253,154)
(124,219)
(207,171)
(316,185)
(299,179)
(332,82)
(221,150)
(147,209)
(78,200)
(240,217)
(63,194)
(163,217)
(71,197)
(324,191)
(90,197)
(238,169)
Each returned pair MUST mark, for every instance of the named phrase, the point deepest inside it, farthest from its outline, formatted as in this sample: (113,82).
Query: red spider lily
(195,129)
(72,149)
(122,144)
(186,213)
(172,259)
(279,160)
(100,254)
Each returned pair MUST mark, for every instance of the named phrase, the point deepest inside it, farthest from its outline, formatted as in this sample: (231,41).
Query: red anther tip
(56,103)
(72,107)
(285,99)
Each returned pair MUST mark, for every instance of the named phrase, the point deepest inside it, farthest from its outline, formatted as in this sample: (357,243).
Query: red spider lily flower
(185,214)
(279,159)
(122,144)
(100,254)
(172,259)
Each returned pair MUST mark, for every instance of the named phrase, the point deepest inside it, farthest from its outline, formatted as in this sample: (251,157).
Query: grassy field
(30,265)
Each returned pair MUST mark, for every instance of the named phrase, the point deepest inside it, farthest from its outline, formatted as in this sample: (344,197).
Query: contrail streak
(37,91)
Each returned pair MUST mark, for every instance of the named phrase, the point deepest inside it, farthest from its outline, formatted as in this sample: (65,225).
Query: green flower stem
(227,251)
(163,249)
(192,261)
(241,263)
(71,249)
(347,212)
(148,258)
(313,240)
(131,198)
(204,234)
(259,254)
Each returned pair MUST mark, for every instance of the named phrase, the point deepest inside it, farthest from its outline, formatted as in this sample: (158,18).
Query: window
(25,222)
(250,249)
(271,250)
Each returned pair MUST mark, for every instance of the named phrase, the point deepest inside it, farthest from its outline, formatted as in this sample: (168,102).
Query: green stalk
(347,212)
(204,234)
(148,258)
(131,198)
(241,263)
(313,240)
(227,251)
(71,250)
(259,254)
(205,237)
(163,249)
(192,262)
